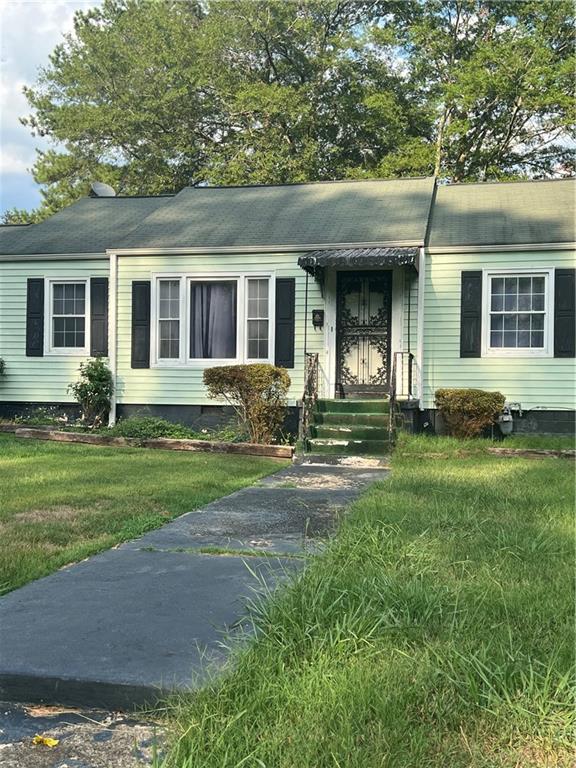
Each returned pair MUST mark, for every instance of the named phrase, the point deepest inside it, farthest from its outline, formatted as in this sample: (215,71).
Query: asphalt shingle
(506,213)
(374,211)
(90,225)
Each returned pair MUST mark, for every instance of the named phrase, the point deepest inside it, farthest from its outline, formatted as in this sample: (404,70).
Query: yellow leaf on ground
(45,740)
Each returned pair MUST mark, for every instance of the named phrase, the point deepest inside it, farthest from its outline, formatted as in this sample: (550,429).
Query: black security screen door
(363,323)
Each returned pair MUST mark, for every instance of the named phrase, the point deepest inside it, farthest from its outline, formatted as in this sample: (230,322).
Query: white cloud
(29,31)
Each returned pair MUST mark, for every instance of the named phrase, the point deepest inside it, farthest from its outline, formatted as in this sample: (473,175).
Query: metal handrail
(393,393)
(310,394)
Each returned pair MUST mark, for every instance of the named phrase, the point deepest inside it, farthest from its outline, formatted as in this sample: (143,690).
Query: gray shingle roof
(90,225)
(372,211)
(507,213)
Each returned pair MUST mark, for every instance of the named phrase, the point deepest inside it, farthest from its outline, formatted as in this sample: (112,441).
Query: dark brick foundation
(195,416)
(537,421)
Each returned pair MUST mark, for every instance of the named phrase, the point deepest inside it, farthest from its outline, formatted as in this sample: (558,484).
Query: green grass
(436,630)
(427,444)
(60,503)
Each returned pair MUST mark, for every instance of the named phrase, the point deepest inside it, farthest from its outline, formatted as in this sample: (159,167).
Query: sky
(29,31)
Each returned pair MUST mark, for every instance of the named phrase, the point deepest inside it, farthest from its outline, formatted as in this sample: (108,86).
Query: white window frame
(527,352)
(185,361)
(271,309)
(49,348)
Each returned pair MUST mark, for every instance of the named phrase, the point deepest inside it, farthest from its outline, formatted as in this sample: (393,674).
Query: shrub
(467,412)
(93,391)
(149,427)
(2,367)
(257,393)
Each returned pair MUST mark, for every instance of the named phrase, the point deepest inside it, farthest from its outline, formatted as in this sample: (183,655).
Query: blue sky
(29,31)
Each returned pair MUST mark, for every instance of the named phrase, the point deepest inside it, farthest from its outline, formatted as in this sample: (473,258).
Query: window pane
(510,339)
(497,285)
(524,339)
(496,339)
(213,319)
(510,302)
(258,298)
(537,285)
(169,299)
(257,339)
(537,339)
(523,322)
(169,334)
(524,285)
(510,322)
(497,303)
(68,299)
(538,302)
(497,322)
(537,322)
(68,332)
(525,302)
(510,285)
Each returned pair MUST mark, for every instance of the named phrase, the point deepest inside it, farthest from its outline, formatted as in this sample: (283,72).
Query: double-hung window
(169,319)
(67,319)
(518,313)
(213,319)
(257,319)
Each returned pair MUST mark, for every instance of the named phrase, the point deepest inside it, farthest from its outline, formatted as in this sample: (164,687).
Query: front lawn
(436,630)
(60,503)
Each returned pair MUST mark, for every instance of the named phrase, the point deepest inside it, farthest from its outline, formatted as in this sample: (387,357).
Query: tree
(153,96)
(500,73)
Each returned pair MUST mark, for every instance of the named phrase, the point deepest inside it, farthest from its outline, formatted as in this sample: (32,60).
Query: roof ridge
(307,183)
(503,183)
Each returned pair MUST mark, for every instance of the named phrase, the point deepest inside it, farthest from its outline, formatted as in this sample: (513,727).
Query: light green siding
(183,385)
(535,382)
(35,379)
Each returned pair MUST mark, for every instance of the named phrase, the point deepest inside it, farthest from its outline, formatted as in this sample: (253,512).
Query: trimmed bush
(93,391)
(468,412)
(257,392)
(150,427)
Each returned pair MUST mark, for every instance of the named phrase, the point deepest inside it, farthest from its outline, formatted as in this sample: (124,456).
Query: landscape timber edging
(166,443)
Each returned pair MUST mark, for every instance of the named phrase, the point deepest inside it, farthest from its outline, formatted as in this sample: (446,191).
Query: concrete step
(353,406)
(358,419)
(349,432)
(348,447)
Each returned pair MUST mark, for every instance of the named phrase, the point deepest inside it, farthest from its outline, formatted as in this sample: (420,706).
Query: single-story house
(405,283)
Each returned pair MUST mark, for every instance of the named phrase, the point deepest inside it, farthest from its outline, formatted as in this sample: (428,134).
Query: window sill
(516,353)
(67,352)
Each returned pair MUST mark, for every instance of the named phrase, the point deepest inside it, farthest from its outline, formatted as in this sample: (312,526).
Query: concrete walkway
(127,626)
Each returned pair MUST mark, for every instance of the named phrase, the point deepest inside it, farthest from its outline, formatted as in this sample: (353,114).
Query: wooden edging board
(166,443)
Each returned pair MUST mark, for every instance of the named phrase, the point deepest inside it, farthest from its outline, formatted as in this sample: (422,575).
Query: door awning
(316,261)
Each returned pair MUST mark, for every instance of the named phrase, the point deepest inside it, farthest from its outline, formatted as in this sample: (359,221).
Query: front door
(363,325)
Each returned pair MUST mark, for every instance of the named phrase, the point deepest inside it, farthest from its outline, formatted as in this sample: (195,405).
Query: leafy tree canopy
(151,96)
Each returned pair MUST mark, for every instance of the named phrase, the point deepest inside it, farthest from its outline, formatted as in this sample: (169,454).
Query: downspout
(112,333)
(420,326)
(306,318)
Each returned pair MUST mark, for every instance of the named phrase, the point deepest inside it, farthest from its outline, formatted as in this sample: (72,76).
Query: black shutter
(471,314)
(564,313)
(285,320)
(35,317)
(141,324)
(99,316)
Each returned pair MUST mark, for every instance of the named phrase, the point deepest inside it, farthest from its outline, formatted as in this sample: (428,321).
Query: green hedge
(468,412)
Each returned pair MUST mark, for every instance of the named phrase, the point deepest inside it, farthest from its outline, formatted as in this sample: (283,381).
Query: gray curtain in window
(213,320)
